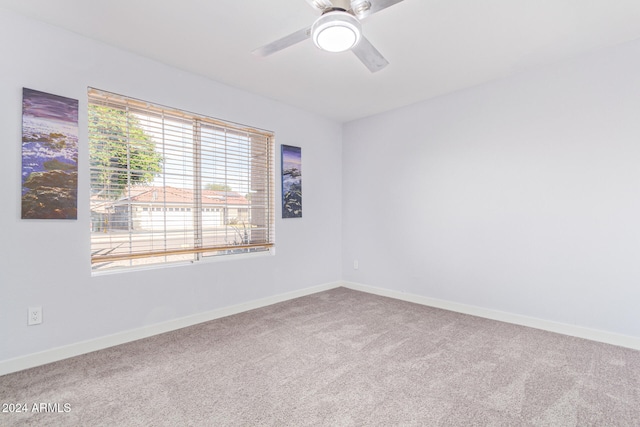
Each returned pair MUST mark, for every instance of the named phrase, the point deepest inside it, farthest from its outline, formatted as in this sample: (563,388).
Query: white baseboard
(517,319)
(76,349)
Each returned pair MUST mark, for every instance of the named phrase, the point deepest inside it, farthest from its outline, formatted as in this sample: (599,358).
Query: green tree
(121,153)
(218,187)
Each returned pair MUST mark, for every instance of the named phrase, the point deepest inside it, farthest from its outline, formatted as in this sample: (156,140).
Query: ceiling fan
(338,29)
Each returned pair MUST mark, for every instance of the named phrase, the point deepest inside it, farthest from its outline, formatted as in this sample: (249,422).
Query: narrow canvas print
(291,182)
(49,156)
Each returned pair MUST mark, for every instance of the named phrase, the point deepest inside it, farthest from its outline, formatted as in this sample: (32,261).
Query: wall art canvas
(49,156)
(291,182)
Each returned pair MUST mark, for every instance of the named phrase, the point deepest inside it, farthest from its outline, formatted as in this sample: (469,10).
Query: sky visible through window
(224,155)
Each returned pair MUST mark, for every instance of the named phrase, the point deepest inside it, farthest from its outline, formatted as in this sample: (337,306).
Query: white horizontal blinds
(169,185)
(262,190)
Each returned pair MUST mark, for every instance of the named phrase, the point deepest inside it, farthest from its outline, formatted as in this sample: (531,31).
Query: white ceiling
(433,46)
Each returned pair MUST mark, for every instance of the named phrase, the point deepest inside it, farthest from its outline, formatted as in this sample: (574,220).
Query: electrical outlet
(355,264)
(35,316)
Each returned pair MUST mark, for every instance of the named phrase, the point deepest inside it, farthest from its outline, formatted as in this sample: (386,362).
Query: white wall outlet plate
(35,316)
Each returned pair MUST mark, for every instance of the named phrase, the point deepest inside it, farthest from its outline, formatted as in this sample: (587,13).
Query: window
(206,186)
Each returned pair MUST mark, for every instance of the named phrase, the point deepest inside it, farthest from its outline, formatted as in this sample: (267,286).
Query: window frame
(258,166)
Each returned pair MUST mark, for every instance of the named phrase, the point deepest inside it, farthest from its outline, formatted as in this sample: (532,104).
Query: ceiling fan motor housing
(341,4)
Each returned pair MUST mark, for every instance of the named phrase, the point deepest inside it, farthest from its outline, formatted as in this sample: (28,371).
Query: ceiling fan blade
(376,6)
(283,43)
(369,55)
(321,5)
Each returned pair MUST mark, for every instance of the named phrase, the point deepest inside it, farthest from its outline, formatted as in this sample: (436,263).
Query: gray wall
(48,262)
(521,196)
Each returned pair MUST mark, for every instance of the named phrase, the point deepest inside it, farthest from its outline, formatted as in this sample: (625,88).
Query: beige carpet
(338,358)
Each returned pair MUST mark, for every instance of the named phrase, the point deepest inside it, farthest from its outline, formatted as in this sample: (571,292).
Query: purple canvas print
(49,156)
(291,182)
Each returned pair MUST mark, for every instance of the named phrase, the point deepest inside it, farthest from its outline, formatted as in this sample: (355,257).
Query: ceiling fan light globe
(336,31)
(336,39)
